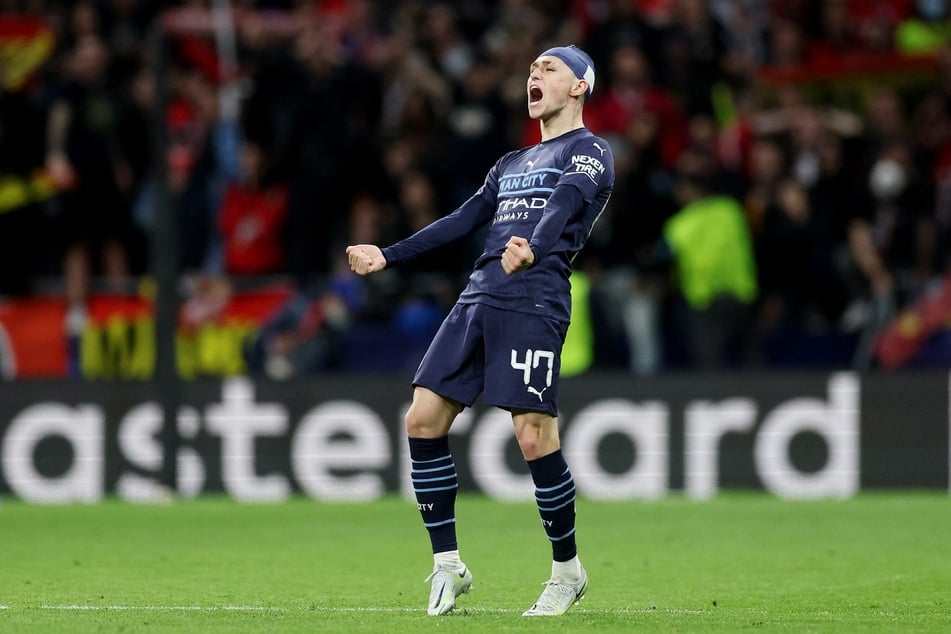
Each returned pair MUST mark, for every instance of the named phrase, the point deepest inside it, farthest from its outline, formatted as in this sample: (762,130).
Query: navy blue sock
(435,484)
(555,496)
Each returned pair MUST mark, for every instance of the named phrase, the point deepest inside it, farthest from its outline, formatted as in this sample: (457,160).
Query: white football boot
(558,596)
(446,586)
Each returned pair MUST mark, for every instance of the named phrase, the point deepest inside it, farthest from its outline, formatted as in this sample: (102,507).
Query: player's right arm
(472,214)
(365,259)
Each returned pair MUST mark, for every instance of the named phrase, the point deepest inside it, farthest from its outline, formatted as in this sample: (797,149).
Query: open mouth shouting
(535,94)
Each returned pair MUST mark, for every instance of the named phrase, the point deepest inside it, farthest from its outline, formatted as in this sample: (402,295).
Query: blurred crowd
(783,168)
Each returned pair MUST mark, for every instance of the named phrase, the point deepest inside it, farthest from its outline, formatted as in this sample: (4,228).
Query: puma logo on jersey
(599,147)
(532,390)
(531,163)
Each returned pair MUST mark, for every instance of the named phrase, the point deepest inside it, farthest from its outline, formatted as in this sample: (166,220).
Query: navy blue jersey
(550,194)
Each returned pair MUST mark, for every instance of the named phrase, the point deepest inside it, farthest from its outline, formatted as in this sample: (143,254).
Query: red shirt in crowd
(252,227)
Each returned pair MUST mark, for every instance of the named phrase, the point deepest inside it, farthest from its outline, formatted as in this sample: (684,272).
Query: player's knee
(537,435)
(529,440)
(420,424)
(430,415)
(531,448)
(415,424)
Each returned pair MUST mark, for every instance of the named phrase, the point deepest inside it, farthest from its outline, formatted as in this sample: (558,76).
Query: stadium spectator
(82,157)
(205,158)
(783,250)
(840,269)
(443,43)
(694,56)
(931,131)
(318,154)
(886,118)
(23,184)
(629,297)
(777,209)
(746,24)
(895,238)
(712,254)
(925,29)
(477,125)
(787,44)
(253,218)
(305,336)
(902,213)
(136,147)
(622,24)
(631,93)
(836,32)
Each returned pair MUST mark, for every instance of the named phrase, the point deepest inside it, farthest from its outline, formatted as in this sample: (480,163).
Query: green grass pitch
(875,563)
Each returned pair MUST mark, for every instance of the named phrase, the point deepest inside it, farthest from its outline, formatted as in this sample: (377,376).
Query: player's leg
(537,434)
(449,378)
(433,471)
(523,363)
(435,484)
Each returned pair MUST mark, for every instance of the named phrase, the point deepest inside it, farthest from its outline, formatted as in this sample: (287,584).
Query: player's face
(549,81)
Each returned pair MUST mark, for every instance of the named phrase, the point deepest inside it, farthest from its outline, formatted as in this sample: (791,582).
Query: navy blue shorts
(512,358)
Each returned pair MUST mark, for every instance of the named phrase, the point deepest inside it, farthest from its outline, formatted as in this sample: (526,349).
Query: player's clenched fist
(365,259)
(517,255)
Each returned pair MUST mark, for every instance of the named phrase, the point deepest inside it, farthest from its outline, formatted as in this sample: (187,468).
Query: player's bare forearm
(517,255)
(365,259)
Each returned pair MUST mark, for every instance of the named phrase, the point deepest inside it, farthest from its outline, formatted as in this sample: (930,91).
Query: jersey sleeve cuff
(535,254)
(389,256)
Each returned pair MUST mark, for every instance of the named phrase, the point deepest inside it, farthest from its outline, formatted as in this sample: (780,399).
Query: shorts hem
(509,408)
(438,392)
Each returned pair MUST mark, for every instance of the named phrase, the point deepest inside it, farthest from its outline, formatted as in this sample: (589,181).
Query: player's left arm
(589,170)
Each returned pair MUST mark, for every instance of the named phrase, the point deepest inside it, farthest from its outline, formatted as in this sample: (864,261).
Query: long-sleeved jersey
(550,194)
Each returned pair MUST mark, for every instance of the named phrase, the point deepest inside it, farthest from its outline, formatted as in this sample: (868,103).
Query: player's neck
(564,121)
